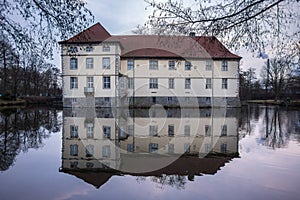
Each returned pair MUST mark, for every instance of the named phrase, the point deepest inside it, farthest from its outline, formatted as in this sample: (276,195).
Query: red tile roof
(148,46)
(96,33)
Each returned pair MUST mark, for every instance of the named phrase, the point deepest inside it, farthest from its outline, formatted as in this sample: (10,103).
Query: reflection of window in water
(223,148)
(224,130)
(74,150)
(187,130)
(153,147)
(130,130)
(73,164)
(90,130)
(106,151)
(187,148)
(106,131)
(89,165)
(171,130)
(89,150)
(207,148)
(170,148)
(207,130)
(153,130)
(130,147)
(74,131)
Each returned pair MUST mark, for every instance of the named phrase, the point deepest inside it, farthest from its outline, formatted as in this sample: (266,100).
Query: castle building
(104,70)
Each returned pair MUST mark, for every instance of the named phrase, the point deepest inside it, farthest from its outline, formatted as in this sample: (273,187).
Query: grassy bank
(4,103)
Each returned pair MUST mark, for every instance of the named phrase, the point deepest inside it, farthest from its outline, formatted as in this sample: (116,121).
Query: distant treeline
(26,74)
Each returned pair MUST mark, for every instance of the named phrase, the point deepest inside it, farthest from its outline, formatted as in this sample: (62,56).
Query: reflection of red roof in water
(141,45)
(184,166)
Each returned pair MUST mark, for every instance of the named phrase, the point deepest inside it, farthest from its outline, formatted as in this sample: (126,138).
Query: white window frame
(130,83)
(153,64)
(73,63)
(171,65)
(106,63)
(208,65)
(188,83)
(90,82)
(106,82)
(130,64)
(208,83)
(224,83)
(106,48)
(224,65)
(73,83)
(89,63)
(153,83)
(188,66)
(171,83)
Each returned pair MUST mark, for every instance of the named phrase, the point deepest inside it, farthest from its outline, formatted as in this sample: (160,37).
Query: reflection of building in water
(147,142)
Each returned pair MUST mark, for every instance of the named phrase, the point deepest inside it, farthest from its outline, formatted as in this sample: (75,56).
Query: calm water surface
(249,153)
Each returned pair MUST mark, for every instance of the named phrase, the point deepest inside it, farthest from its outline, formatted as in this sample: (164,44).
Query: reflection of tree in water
(23,129)
(176,181)
(279,124)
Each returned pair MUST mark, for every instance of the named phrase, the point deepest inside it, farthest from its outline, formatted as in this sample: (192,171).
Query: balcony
(89,90)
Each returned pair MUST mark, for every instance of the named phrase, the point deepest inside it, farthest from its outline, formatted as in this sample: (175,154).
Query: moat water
(247,153)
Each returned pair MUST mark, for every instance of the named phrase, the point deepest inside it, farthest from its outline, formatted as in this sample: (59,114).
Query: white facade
(97,74)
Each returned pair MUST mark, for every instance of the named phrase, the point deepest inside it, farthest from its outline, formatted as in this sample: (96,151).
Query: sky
(121,17)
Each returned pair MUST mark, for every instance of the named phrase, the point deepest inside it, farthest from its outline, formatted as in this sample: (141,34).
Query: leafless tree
(238,23)
(37,25)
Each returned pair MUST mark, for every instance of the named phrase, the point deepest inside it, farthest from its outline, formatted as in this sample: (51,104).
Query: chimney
(192,34)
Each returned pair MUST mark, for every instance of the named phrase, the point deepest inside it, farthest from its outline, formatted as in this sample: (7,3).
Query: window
(223,148)
(130,64)
(73,82)
(73,165)
(208,83)
(89,150)
(208,66)
(188,65)
(207,148)
(106,151)
(187,83)
(106,63)
(170,99)
(74,100)
(106,131)
(153,130)
(74,131)
(153,147)
(153,83)
(89,49)
(89,165)
(130,147)
(90,130)
(106,82)
(187,130)
(130,83)
(106,100)
(89,63)
(170,148)
(187,148)
(74,150)
(171,65)
(106,48)
(73,50)
(153,65)
(207,130)
(73,63)
(224,65)
(130,130)
(90,82)
(208,100)
(171,83)
(224,83)
(171,130)
(153,99)
(224,130)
